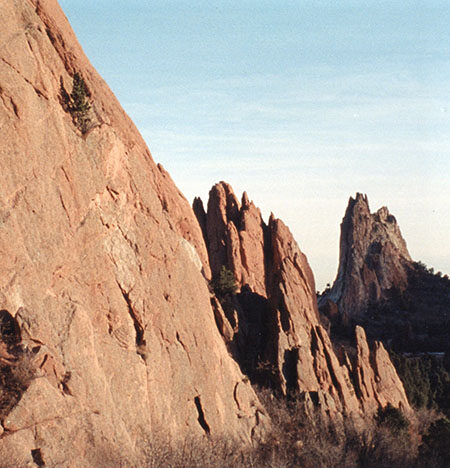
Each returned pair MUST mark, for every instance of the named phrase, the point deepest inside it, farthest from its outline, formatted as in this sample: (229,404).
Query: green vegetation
(426,381)
(77,102)
(225,284)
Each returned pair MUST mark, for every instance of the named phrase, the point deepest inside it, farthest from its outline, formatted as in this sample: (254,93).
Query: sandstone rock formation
(103,268)
(272,326)
(378,285)
(373,261)
(376,379)
(234,236)
(104,279)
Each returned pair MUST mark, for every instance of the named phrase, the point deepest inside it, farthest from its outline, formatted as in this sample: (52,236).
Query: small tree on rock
(225,284)
(77,102)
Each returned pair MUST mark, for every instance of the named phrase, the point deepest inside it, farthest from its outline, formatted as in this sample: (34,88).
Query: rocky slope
(103,269)
(272,326)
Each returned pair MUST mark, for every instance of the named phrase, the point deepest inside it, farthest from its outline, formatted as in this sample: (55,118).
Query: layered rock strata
(103,268)
(273,326)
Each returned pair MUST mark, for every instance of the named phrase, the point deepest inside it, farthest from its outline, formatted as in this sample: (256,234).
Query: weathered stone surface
(234,235)
(376,379)
(251,234)
(103,267)
(305,357)
(223,207)
(373,259)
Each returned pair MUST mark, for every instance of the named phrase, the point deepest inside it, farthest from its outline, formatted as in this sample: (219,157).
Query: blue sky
(300,103)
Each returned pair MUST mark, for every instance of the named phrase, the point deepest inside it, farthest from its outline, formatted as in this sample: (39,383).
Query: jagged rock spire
(276,317)
(373,258)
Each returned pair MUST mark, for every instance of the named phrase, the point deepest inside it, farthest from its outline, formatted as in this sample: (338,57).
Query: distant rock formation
(273,324)
(373,262)
(379,286)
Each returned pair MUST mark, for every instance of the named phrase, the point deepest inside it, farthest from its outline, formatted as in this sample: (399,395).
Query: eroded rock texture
(103,268)
(272,326)
(373,262)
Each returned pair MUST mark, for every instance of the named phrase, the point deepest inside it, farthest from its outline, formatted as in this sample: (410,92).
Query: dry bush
(300,437)
(197,453)
(310,439)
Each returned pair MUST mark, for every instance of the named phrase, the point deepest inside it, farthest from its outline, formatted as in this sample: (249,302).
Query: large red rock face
(103,268)
(275,322)
(373,261)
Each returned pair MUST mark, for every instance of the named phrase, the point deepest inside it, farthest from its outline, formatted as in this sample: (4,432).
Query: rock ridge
(273,327)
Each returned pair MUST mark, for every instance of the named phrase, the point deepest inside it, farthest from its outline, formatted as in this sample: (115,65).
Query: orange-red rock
(376,379)
(276,320)
(103,267)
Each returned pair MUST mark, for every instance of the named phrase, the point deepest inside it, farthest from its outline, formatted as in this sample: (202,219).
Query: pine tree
(77,102)
(80,95)
(226,283)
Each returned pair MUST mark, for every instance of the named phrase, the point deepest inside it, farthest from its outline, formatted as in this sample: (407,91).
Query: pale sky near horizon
(300,103)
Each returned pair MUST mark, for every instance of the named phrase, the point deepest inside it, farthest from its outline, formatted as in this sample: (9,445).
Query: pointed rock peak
(361,198)
(197,205)
(373,258)
(245,200)
(235,237)
(224,187)
(360,336)
(377,382)
(359,204)
(222,194)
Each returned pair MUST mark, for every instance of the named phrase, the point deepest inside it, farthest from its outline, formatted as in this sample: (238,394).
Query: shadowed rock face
(103,268)
(374,260)
(273,323)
